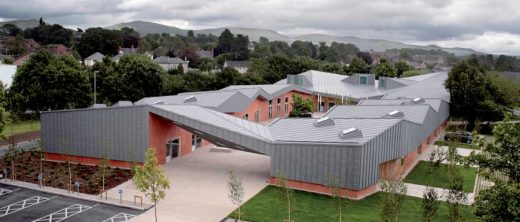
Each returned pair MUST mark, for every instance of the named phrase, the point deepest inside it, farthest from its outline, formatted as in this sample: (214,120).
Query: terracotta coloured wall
(317,188)
(263,106)
(85,160)
(161,131)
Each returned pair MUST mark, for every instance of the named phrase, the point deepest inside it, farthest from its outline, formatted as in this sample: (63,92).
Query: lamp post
(95,73)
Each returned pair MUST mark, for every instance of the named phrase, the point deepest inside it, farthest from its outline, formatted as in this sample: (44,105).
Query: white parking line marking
(121,217)
(15,207)
(64,213)
(7,191)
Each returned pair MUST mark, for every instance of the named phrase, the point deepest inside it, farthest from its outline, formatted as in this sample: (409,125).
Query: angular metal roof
(413,113)
(434,103)
(303,130)
(429,86)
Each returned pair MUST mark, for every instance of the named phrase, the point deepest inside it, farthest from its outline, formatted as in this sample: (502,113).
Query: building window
(331,105)
(270,114)
(278,107)
(286,105)
(257,116)
(196,141)
(363,80)
(246,117)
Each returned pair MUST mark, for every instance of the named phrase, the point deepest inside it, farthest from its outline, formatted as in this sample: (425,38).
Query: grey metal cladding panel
(317,164)
(86,132)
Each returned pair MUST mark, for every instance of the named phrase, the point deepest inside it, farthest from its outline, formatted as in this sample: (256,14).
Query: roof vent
(325,121)
(122,103)
(158,102)
(395,113)
(190,99)
(97,105)
(350,133)
(417,100)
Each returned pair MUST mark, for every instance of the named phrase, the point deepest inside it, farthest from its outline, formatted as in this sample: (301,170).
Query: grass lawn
(440,176)
(266,206)
(458,145)
(21,127)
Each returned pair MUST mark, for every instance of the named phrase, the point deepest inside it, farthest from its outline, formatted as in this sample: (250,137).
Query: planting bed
(27,168)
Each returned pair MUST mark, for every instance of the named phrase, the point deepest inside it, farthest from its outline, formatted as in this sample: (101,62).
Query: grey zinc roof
(271,90)
(224,101)
(221,120)
(169,60)
(332,84)
(413,113)
(95,56)
(303,130)
(434,103)
(430,86)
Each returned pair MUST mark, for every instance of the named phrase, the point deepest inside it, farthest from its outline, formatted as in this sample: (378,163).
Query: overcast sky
(486,25)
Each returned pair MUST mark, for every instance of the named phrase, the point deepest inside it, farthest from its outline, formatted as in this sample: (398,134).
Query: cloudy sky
(486,25)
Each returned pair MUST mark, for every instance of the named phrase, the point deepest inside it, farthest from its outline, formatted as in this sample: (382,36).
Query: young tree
(456,194)
(301,107)
(430,203)
(236,191)
(150,179)
(338,198)
(12,155)
(104,167)
(68,159)
(500,163)
(393,194)
(286,194)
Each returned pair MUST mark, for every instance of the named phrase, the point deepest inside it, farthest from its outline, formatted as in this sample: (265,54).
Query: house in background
(129,51)
(168,63)
(240,66)
(92,59)
(58,49)
(205,54)
(20,60)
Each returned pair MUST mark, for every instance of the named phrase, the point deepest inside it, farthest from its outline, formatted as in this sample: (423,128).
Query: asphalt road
(20,205)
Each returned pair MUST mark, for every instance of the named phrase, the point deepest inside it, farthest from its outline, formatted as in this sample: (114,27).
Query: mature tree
(129,37)
(173,84)
(305,49)
(366,57)
(150,179)
(204,64)
(393,194)
(4,115)
(470,93)
(240,47)
(105,41)
(401,67)
(500,163)
(139,77)
(226,40)
(50,82)
(384,68)
(301,107)
(50,34)
(358,65)
(236,191)
(17,46)
(228,76)
(10,30)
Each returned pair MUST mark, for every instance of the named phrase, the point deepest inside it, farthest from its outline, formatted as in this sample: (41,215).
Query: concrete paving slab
(198,183)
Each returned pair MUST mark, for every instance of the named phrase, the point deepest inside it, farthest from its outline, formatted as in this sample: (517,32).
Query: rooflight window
(190,99)
(417,100)
(363,80)
(350,133)
(325,121)
(393,112)
(158,102)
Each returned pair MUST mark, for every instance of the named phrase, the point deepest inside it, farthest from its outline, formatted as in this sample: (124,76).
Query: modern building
(355,145)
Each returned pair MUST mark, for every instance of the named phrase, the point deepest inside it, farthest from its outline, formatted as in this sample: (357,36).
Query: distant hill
(23,24)
(254,34)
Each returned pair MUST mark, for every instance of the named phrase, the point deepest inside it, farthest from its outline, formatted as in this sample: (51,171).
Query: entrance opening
(172,149)
(196,142)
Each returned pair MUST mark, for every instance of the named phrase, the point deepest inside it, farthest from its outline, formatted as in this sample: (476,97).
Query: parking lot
(20,204)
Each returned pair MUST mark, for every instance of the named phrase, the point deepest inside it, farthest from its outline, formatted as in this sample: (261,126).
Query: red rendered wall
(317,188)
(161,131)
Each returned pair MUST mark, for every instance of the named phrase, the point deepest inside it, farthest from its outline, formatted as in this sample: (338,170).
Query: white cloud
(440,21)
(489,42)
